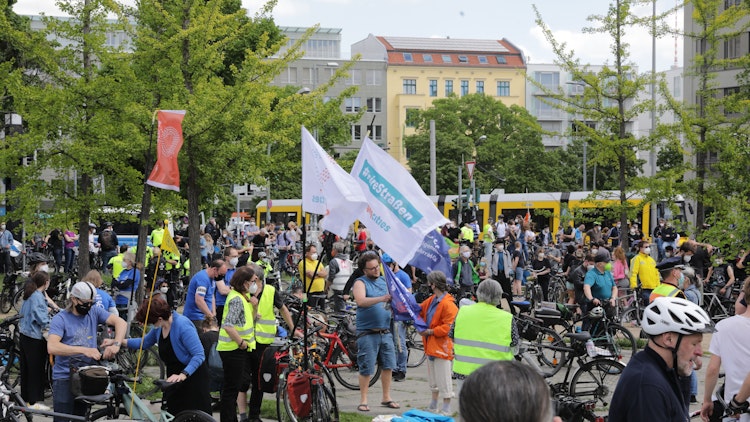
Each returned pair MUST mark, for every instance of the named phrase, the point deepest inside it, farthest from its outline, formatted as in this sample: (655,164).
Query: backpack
(106,240)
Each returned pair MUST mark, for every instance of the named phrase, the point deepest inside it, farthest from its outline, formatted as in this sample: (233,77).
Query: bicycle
(716,307)
(414,346)
(296,382)
(596,376)
(11,287)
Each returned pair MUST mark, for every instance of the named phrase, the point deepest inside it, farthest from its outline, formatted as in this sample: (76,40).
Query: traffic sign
(470,167)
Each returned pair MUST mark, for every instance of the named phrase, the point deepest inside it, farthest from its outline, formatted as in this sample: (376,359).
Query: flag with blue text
(405,307)
(399,214)
(432,255)
(327,189)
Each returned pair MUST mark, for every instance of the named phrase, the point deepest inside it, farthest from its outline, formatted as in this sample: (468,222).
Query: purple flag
(432,255)
(405,307)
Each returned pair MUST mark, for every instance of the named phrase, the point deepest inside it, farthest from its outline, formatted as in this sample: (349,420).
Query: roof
(451,52)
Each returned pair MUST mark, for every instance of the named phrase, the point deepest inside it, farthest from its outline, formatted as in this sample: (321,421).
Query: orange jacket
(439,344)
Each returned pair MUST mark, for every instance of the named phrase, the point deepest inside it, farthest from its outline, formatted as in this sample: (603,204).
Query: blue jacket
(185,342)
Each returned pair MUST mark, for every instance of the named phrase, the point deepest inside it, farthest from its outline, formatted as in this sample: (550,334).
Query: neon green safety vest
(265,326)
(482,335)
(246,332)
(665,290)
(474,274)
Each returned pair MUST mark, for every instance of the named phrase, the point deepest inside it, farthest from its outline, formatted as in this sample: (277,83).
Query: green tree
(609,99)
(507,142)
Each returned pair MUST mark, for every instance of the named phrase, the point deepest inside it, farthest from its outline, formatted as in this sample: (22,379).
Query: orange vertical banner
(166,173)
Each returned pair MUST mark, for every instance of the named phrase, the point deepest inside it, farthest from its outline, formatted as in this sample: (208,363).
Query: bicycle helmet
(596,313)
(673,314)
(35,258)
(261,255)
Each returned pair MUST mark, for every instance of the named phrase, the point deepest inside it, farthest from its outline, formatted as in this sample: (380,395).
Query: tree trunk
(194,230)
(84,217)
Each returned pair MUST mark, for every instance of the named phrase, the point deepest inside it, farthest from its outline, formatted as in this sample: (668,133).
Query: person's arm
(449,315)
(121,330)
(222,287)
(710,272)
(189,338)
(200,302)
(56,347)
(287,316)
(712,374)
(730,281)
(360,296)
(635,265)
(588,295)
(744,392)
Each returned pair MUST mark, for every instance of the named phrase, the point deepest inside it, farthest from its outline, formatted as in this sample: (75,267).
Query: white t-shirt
(732,344)
(501,228)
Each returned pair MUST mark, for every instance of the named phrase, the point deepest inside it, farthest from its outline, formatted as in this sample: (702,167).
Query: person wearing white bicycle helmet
(654,387)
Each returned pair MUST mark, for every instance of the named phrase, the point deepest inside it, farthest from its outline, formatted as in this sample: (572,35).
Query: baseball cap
(386,258)
(601,258)
(83,290)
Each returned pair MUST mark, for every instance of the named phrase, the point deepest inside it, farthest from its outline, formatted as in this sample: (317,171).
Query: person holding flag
(439,312)
(398,328)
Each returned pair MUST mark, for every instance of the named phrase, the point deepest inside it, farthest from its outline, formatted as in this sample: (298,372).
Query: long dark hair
(39,279)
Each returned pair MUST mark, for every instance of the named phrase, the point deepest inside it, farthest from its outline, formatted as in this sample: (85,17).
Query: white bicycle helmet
(673,314)
(596,312)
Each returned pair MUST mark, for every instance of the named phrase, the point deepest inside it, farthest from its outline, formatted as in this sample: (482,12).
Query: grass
(268,411)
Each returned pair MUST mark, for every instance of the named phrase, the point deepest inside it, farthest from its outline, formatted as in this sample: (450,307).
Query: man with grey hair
(340,268)
(464,272)
(483,332)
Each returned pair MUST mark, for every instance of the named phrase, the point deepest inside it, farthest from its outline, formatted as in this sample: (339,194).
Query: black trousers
(256,394)
(237,374)
(33,378)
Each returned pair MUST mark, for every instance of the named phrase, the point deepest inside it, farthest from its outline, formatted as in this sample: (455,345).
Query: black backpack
(106,240)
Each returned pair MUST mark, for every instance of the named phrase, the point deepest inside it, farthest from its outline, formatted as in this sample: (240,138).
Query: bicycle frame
(334,341)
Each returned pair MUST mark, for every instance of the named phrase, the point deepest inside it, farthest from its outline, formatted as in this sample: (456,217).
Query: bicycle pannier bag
(299,391)
(268,373)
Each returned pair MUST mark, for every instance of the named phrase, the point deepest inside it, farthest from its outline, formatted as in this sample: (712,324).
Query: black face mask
(219,277)
(83,308)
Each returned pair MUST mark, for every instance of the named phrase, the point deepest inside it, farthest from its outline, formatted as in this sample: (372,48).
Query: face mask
(466,254)
(164,290)
(617,225)
(687,258)
(482,264)
(253,288)
(590,267)
(540,256)
(83,308)
(632,230)
(682,279)
(647,251)
(44,268)
(595,251)
(2,227)
(219,277)
(234,261)
(719,262)
(266,260)
(668,254)
(314,257)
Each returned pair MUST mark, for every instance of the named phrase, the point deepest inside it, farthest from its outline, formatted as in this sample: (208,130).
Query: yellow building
(421,70)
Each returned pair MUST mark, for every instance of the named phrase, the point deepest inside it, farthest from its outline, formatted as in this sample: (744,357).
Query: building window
(357,132)
(732,48)
(500,60)
(407,57)
(464,87)
(356,76)
(700,46)
(731,3)
(288,76)
(427,58)
(374,77)
(412,117)
(352,104)
(503,88)
(677,87)
(463,59)
(376,132)
(448,87)
(480,87)
(549,80)
(307,76)
(375,104)
(433,87)
(446,58)
(410,86)
(482,59)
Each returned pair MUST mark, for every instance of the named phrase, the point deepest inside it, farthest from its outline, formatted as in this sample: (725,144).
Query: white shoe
(40,406)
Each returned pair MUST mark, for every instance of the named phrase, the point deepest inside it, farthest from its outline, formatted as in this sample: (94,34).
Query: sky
(465,19)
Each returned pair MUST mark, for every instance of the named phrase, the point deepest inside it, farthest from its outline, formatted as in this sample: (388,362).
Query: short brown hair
(159,309)
(240,277)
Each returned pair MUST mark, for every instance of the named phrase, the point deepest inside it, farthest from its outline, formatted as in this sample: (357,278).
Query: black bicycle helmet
(36,257)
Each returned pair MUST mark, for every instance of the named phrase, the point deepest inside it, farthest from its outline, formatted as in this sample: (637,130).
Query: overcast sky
(467,19)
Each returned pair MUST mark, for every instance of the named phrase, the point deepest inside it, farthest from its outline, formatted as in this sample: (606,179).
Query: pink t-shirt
(619,268)
(71,235)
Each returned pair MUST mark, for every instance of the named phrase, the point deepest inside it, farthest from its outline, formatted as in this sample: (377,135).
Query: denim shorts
(375,346)
(519,274)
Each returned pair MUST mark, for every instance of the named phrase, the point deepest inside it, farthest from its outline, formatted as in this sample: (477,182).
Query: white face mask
(44,268)
(253,288)
(314,257)
(687,258)
(466,254)
(590,267)
(647,251)
(233,261)
(164,289)
(540,256)
(595,251)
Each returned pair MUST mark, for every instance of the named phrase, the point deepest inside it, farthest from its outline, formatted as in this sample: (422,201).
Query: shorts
(375,347)
(569,286)
(518,274)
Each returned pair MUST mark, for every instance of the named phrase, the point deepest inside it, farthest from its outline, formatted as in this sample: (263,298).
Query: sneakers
(40,406)
(399,376)
(693,399)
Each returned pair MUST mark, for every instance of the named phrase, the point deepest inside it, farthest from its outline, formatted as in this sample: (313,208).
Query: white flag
(399,214)
(327,189)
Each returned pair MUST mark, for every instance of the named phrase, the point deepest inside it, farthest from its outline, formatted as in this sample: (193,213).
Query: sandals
(363,408)
(391,404)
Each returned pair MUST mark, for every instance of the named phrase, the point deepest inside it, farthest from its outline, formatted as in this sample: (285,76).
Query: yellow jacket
(644,267)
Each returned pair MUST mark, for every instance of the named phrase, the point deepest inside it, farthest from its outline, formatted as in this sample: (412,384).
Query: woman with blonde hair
(103,299)
(620,268)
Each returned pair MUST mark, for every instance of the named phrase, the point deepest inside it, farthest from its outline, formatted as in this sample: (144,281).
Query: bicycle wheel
(17,301)
(325,408)
(348,373)
(631,317)
(12,364)
(151,367)
(596,380)
(557,292)
(554,357)
(619,341)
(5,301)
(193,416)
(414,348)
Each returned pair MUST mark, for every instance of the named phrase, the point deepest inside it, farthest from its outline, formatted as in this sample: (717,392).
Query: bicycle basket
(527,327)
(89,380)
